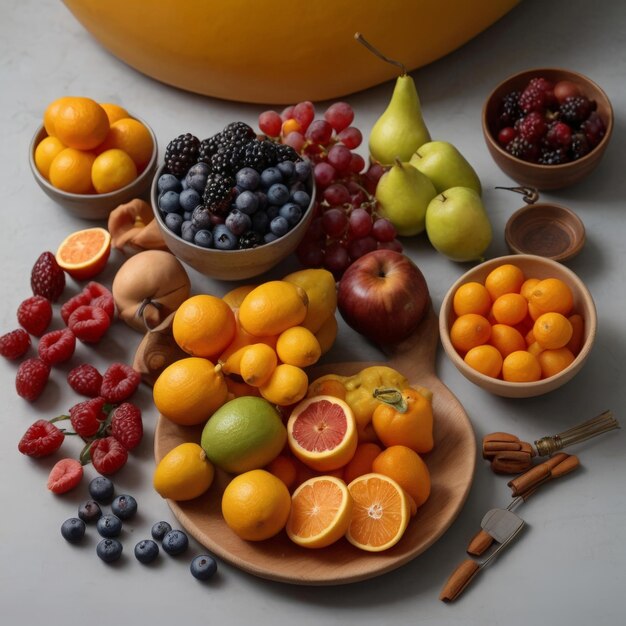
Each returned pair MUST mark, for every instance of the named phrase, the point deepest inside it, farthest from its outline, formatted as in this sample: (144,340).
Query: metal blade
(501,524)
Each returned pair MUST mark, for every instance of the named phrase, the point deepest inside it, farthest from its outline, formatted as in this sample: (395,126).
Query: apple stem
(393,397)
(379,54)
(443,196)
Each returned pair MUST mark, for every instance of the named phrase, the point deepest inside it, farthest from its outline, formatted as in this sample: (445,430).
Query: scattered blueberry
(169,202)
(109,550)
(159,530)
(109,525)
(270,176)
(89,511)
(203,238)
(238,222)
(174,221)
(188,231)
(279,226)
(73,529)
(248,178)
(168,182)
(146,551)
(301,198)
(175,542)
(247,201)
(223,238)
(291,212)
(101,489)
(278,194)
(203,567)
(124,507)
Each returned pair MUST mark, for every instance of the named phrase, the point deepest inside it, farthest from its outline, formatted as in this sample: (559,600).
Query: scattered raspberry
(65,475)
(119,383)
(532,99)
(108,455)
(87,416)
(89,323)
(106,303)
(80,299)
(41,439)
(34,315)
(96,289)
(532,127)
(86,380)
(47,279)
(14,344)
(127,425)
(31,378)
(575,109)
(57,346)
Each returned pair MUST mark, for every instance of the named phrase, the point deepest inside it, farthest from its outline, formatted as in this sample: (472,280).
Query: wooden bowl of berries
(518,326)
(547,128)
(233,205)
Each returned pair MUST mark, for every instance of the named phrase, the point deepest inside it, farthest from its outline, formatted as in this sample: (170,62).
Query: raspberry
(57,346)
(126,425)
(575,109)
(532,99)
(594,129)
(532,127)
(95,289)
(559,135)
(542,84)
(41,439)
(86,380)
(93,294)
(31,378)
(119,383)
(47,279)
(87,416)
(65,475)
(34,315)
(13,345)
(89,323)
(108,455)
(80,299)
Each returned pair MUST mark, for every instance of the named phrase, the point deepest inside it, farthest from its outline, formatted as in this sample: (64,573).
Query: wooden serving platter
(451,464)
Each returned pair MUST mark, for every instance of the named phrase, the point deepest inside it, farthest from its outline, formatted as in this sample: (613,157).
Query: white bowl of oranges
(518,326)
(90,157)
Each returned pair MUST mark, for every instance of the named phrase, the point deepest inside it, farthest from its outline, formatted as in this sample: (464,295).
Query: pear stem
(378,53)
(397,161)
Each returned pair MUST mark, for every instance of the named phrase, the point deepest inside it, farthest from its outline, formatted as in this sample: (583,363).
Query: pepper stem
(393,397)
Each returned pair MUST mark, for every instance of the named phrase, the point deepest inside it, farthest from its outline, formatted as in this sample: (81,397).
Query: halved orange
(85,253)
(321,510)
(381,512)
(322,432)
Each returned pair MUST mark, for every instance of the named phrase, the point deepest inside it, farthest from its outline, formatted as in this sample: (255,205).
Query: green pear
(445,166)
(457,224)
(402,194)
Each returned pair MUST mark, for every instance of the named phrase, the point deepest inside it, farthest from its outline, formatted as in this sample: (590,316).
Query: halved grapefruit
(83,254)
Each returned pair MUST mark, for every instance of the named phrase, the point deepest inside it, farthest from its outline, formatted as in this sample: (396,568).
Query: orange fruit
(321,432)
(204,325)
(114,111)
(257,364)
(321,511)
(243,338)
(552,295)
(381,512)
(45,152)
(469,330)
(408,469)
(552,330)
(578,332)
(327,386)
(506,278)
(80,123)
(521,367)
(534,348)
(485,359)
(554,361)
(506,339)
(527,286)
(237,388)
(131,136)
(284,467)
(471,297)
(256,505)
(85,253)
(286,385)
(298,346)
(184,473)
(112,170)
(51,113)
(510,308)
(235,296)
(361,462)
(70,171)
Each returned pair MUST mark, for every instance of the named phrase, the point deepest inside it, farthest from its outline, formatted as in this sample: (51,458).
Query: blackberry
(250,239)
(553,156)
(181,153)
(579,146)
(258,155)
(522,149)
(286,153)
(208,147)
(238,132)
(225,161)
(509,109)
(218,194)
(575,109)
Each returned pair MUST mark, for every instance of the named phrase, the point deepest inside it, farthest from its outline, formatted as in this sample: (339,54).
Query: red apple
(384,296)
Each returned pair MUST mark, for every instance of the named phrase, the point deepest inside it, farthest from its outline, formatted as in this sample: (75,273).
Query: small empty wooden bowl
(548,230)
(534,174)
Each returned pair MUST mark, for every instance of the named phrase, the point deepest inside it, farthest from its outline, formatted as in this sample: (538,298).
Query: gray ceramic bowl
(95,206)
(232,264)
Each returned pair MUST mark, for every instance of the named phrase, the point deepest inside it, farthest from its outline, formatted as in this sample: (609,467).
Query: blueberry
(201,217)
(187,216)
(297,186)
(89,511)
(291,212)
(184,184)
(303,170)
(199,169)
(279,226)
(203,567)
(195,183)
(271,176)
(189,199)
(269,237)
(262,200)
(168,182)
(175,542)
(260,221)
(159,530)
(203,238)
(109,550)
(124,507)
(301,198)
(109,525)
(247,201)
(238,222)
(248,178)
(278,194)
(223,238)
(188,230)
(287,169)
(174,221)
(146,551)
(169,202)
(73,529)
(101,489)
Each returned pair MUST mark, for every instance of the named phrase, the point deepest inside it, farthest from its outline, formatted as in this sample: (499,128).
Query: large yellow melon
(280,51)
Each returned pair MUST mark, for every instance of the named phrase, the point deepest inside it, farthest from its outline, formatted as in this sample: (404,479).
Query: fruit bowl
(536,174)
(232,264)
(95,206)
(532,266)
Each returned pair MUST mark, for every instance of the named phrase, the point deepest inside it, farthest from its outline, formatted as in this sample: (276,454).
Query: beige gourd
(148,287)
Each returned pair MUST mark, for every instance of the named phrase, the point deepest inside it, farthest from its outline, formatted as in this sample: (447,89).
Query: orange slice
(322,433)
(321,510)
(381,512)
(85,253)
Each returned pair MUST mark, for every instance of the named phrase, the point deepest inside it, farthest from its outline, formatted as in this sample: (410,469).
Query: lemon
(287,385)
(257,364)
(321,291)
(183,473)
(298,346)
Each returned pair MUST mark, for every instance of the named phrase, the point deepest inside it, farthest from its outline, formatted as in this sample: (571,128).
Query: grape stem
(379,54)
